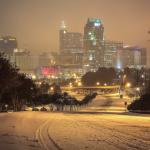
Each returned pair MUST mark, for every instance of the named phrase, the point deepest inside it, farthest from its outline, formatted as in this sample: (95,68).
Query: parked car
(35,109)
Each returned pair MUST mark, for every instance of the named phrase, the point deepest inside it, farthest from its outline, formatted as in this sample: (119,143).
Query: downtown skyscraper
(93,44)
(71,46)
(8,44)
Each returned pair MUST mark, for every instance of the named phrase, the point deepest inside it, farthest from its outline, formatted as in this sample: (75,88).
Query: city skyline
(36,24)
(74,75)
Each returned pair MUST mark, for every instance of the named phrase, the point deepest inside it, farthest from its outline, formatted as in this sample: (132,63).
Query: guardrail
(93,87)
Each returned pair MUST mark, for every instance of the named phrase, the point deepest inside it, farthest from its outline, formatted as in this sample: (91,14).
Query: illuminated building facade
(71,47)
(62,37)
(8,44)
(45,59)
(25,61)
(48,71)
(93,48)
(131,56)
(110,49)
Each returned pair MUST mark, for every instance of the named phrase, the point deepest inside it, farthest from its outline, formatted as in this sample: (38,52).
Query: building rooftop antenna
(63,25)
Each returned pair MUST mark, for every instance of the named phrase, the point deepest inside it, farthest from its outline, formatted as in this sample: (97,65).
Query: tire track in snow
(45,140)
(114,137)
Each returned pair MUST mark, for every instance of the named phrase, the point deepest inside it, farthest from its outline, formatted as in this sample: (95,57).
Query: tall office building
(110,49)
(93,48)
(24,60)
(131,56)
(62,37)
(45,59)
(72,42)
(8,44)
(71,49)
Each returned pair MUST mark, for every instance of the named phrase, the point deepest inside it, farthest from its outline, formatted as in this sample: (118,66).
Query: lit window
(90,57)
(90,33)
(97,24)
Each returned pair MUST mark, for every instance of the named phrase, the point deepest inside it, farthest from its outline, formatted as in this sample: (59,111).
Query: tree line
(63,101)
(15,88)
(110,76)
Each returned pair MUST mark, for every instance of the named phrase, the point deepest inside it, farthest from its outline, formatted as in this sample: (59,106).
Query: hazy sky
(36,23)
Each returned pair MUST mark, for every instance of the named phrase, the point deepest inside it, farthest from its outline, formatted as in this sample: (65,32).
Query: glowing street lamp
(105,84)
(70,85)
(74,75)
(137,92)
(97,83)
(128,85)
(138,89)
(33,77)
(142,76)
(52,89)
(39,83)
(79,84)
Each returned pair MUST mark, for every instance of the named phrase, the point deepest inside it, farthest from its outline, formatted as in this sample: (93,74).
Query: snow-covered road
(98,127)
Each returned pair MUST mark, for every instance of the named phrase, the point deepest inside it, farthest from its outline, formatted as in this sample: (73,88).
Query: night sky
(36,23)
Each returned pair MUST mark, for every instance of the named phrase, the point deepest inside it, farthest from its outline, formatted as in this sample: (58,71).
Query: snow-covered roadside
(90,129)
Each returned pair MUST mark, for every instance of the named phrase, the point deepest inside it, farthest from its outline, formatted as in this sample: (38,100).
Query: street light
(128,85)
(70,85)
(105,84)
(138,89)
(79,84)
(97,83)
(143,76)
(33,77)
(52,89)
(137,92)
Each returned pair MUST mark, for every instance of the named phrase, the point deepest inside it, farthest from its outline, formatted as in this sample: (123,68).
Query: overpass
(91,89)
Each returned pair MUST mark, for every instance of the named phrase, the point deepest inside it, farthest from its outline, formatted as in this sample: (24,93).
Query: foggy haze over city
(74,75)
(36,23)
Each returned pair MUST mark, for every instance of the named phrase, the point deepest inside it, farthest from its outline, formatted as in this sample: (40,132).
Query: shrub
(142,104)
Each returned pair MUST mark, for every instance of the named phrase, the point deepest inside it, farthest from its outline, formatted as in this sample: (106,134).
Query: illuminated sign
(47,71)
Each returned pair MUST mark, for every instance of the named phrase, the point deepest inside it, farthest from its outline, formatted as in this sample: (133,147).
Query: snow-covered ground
(103,125)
